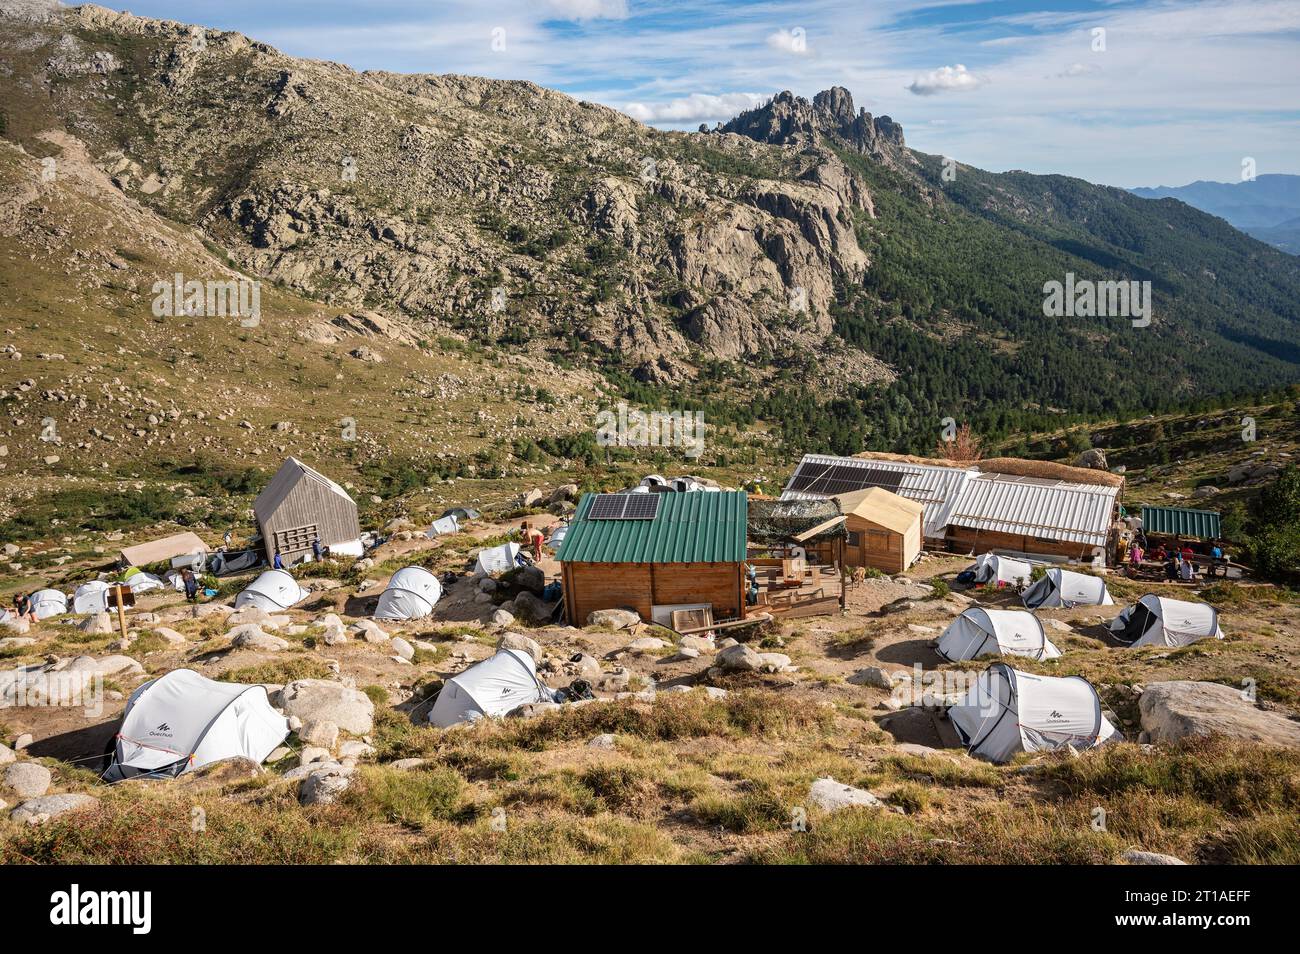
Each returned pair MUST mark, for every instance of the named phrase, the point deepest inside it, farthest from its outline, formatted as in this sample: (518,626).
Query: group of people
(1179,561)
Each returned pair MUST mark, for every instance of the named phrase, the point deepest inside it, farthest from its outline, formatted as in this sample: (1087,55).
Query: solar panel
(832,479)
(607,507)
(624,507)
(641,507)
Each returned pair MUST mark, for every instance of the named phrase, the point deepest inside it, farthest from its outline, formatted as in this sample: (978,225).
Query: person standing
(316,551)
(227,538)
(533,539)
(191,584)
(278,562)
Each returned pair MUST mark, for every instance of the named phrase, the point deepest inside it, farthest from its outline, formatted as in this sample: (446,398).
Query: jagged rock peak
(788,118)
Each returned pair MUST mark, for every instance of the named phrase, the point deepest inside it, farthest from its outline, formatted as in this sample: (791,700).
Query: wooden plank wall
(308,503)
(966,540)
(639,586)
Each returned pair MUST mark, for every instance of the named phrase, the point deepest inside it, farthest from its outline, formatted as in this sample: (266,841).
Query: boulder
(7,754)
(701,643)
(613,618)
(520,641)
(27,779)
(36,811)
(336,633)
(1175,710)
(872,676)
(739,658)
(617,681)
(323,733)
(169,634)
(251,636)
(1094,458)
(97,624)
(774,662)
(564,492)
(532,609)
(646,644)
(832,796)
(107,666)
(320,700)
(501,618)
(531,498)
(324,785)
(1134,857)
(370,631)
(530,578)
(402,648)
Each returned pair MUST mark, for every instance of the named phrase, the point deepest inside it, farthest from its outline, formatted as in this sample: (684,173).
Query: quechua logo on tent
(163,729)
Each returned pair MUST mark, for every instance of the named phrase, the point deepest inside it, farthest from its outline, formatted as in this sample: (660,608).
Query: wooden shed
(655,553)
(885,529)
(300,505)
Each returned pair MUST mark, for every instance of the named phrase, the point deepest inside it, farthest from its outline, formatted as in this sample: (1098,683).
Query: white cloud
(790,41)
(589,9)
(697,107)
(1077,69)
(946,79)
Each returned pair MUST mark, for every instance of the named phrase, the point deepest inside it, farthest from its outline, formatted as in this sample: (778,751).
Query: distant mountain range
(1266,207)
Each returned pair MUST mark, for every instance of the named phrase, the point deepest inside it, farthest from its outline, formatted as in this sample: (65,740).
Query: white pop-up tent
(443,526)
(274,590)
(47,603)
(410,594)
(496,559)
(138,581)
(1159,621)
(1008,711)
(183,721)
(992,568)
(493,687)
(981,632)
(91,597)
(1066,588)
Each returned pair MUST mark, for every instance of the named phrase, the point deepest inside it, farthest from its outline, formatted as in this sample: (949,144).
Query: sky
(1123,92)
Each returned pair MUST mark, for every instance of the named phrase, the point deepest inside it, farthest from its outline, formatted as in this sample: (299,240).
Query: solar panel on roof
(832,479)
(641,507)
(624,507)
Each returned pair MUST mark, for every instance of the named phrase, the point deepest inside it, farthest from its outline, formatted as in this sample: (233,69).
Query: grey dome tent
(992,568)
(47,603)
(981,632)
(443,526)
(183,721)
(410,594)
(1066,588)
(274,590)
(493,687)
(230,562)
(461,513)
(1159,621)
(1008,711)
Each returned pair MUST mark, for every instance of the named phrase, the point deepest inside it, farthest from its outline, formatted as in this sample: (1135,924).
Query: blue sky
(1171,91)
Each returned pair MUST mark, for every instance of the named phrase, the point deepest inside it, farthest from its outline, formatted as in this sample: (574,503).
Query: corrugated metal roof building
(1182,522)
(1040,514)
(690,552)
(938,488)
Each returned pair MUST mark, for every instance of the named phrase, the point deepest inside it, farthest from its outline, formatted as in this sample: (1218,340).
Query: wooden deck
(818,595)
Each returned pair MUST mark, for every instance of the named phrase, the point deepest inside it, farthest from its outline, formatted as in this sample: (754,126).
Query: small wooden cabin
(654,553)
(885,529)
(300,505)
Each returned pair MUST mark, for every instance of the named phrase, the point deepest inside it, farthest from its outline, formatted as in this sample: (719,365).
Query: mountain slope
(802,242)
(1266,207)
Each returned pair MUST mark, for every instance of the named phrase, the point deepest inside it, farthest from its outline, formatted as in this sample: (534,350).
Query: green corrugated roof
(1177,520)
(695,527)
